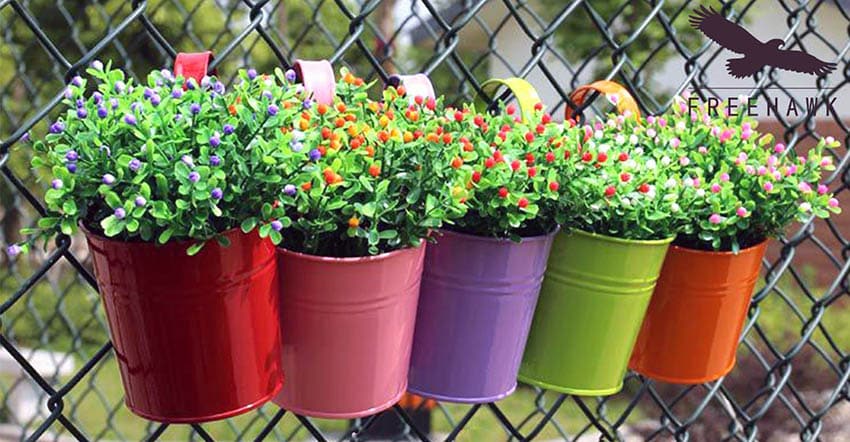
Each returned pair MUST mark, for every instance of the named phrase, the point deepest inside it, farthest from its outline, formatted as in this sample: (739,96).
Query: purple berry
(215,140)
(195,108)
(72,167)
(57,127)
(134,164)
(296,146)
(82,113)
(277,226)
(194,176)
(191,84)
(148,93)
(108,179)
(187,160)
(102,112)
(290,189)
(228,129)
(216,193)
(315,155)
(13,250)
(308,103)
(69,93)
(219,88)
(214,160)
(140,201)
(56,184)
(176,93)
(120,213)
(77,81)
(98,97)
(155,100)
(252,73)
(114,103)
(80,103)
(267,95)
(97,65)
(130,119)
(120,86)
(290,75)
(272,109)
(72,156)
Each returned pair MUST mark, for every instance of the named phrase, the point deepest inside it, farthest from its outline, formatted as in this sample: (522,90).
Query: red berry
(418,99)
(505,128)
(326,133)
(497,155)
(478,120)
(431,104)
(554,186)
(503,136)
(567,155)
(623,156)
(602,157)
(540,129)
(625,177)
(307,186)
(489,163)
(503,192)
(538,106)
(374,170)
(529,137)
(458,116)
(447,138)
(476,176)
(587,157)
(522,203)
(515,164)
(467,146)
(532,172)
(510,109)
(550,156)
(610,190)
(644,188)
(457,162)
(546,119)
(417,134)
(529,159)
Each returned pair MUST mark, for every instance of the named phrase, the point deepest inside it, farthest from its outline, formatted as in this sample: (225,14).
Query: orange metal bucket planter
(694,320)
(348,330)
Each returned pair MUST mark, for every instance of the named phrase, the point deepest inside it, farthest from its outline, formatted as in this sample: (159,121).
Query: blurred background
(791,379)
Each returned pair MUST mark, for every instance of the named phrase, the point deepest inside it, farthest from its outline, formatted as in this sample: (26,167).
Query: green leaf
(165,235)
(195,248)
(249,225)
(112,225)
(69,207)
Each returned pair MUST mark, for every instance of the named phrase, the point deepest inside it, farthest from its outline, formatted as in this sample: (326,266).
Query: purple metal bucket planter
(475,309)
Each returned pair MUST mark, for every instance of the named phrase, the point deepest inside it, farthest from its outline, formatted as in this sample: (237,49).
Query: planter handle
(193,65)
(317,76)
(524,92)
(625,101)
(416,85)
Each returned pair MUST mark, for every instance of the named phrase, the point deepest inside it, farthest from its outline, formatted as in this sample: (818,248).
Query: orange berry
(340,107)
(322,108)
(307,186)
(353,222)
(457,162)
(408,137)
(374,170)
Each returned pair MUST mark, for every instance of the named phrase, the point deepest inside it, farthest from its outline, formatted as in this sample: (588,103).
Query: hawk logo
(756,54)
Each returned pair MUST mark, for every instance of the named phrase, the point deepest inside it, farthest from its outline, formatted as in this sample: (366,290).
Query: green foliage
(371,181)
(155,162)
(740,188)
(618,187)
(510,168)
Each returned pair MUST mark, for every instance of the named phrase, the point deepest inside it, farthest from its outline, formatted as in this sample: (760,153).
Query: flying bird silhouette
(756,54)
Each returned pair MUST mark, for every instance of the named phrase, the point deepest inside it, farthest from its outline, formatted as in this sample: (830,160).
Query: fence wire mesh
(59,380)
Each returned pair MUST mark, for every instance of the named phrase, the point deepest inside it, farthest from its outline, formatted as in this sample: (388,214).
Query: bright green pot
(592,303)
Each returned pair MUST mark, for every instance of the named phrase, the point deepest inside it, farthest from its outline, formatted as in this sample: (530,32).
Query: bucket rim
(234,231)
(352,259)
(491,239)
(745,251)
(616,240)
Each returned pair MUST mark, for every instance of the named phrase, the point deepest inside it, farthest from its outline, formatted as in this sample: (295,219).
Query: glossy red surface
(348,331)
(196,337)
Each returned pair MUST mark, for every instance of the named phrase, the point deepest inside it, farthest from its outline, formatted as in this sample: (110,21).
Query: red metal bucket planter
(696,314)
(475,310)
(348,328)
(196,337)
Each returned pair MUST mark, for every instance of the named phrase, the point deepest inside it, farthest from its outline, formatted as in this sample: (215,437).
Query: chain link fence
(58,377)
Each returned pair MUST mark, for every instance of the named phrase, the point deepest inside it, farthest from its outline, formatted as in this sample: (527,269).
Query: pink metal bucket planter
(347,328)
(478,299)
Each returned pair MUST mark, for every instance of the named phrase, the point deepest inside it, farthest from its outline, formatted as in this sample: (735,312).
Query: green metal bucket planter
(592,303)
